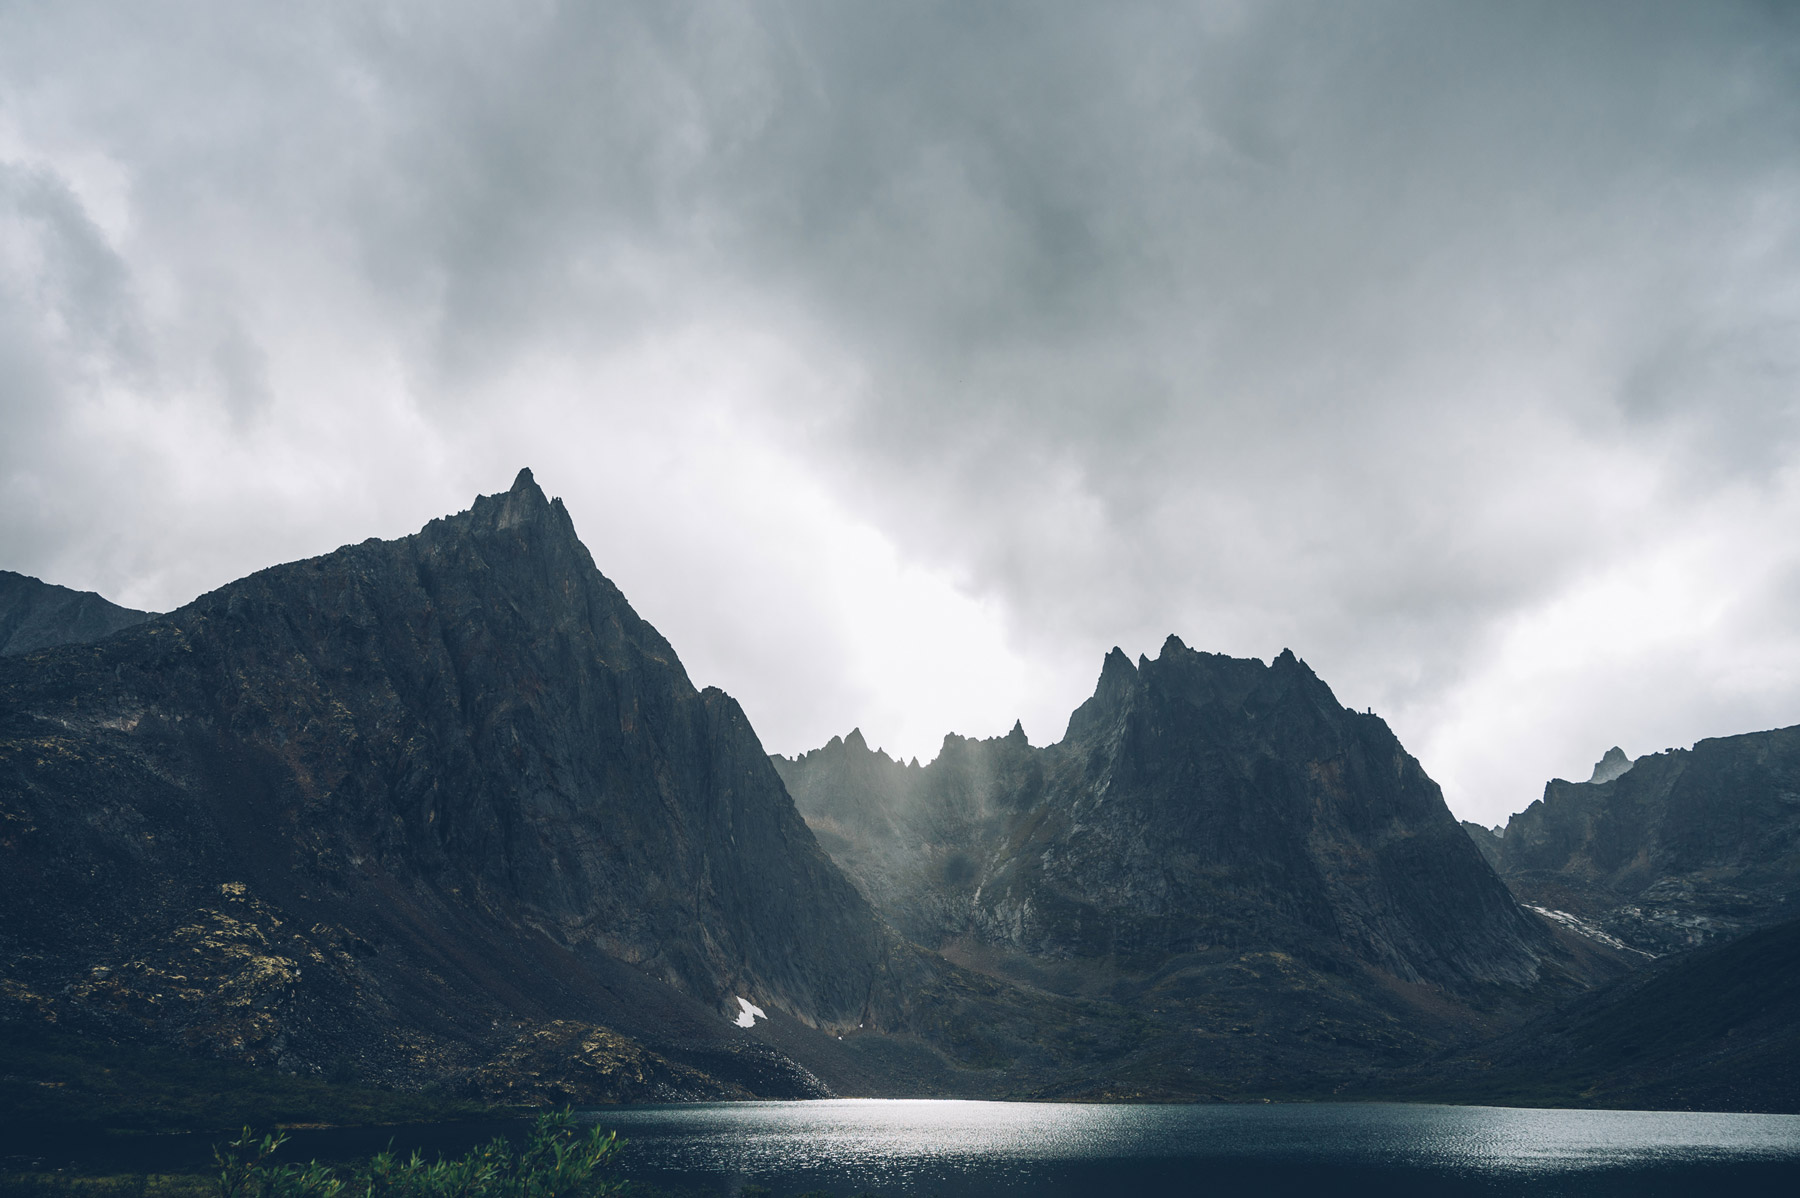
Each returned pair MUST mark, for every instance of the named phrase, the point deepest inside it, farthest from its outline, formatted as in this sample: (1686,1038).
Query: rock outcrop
(40,615)
(415,801)
(1671,851)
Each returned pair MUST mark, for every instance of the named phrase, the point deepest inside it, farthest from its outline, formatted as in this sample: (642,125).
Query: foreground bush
(557,1162)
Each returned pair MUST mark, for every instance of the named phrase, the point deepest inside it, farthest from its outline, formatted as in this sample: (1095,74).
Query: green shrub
(557,1162)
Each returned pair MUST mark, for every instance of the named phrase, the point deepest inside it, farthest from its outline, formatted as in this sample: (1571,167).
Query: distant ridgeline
(38,615)
(1668,852)
(445,811)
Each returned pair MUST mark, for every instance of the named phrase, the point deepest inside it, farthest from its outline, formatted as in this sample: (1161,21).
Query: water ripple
(994,1146)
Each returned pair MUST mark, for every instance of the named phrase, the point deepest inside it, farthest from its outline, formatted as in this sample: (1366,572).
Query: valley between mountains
(445,813)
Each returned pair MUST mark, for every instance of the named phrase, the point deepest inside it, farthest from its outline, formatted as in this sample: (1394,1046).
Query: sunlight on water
(974,1147)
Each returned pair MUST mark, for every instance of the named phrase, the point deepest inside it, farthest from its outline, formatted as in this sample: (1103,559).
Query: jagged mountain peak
(1198,677)
(1118,678)
(523,504)
(1118,673)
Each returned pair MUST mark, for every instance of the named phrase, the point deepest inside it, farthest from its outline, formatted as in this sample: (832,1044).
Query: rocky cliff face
(418,801)
(39,615)
(1672,850)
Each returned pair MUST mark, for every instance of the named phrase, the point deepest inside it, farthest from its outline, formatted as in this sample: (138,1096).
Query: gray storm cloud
(1453,346)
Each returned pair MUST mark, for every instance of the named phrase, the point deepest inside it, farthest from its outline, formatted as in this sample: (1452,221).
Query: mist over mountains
(447,808)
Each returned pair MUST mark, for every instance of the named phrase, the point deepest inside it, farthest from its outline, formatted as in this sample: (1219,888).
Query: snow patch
(1577,924)
(749,1013)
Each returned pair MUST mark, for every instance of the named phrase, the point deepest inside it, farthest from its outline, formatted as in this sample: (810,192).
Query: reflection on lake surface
(970,1148)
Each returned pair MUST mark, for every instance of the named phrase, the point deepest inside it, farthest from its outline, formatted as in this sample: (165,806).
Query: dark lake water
(963,1149)
(983,1148)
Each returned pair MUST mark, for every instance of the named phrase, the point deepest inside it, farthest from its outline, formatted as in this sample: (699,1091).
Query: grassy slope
(54,1082)
(50,1078)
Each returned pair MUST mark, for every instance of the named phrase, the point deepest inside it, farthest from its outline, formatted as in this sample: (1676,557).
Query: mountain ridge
(446,809)
(1672,850)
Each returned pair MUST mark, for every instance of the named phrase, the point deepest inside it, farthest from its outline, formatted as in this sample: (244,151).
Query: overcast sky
(899,360)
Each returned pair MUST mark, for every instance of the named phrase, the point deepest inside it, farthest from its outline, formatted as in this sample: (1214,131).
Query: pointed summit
(1611,766)
(521,506)
(1017,735)
(1117,678)
(855,741)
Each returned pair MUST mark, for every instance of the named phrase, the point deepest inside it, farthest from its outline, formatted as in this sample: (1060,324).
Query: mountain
(38,615)
(1670,851)
(441,808)
(445,809)
(1215,843)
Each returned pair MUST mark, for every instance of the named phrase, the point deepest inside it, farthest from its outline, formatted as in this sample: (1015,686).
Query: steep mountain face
(416,802)
(1672,850)
(39,615)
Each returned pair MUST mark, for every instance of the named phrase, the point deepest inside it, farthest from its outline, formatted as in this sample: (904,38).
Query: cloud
(899,361)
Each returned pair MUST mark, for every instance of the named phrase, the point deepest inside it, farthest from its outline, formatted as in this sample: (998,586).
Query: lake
(962,1149)
(995,1148)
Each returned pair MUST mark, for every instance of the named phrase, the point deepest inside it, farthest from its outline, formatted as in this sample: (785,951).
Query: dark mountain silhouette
(1670,851)
(39,615)
(443,805)
(1717,1029)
